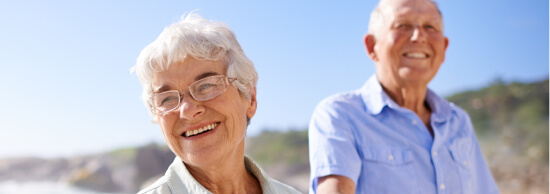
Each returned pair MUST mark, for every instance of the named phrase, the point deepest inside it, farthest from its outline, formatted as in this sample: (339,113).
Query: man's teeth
(416,55)
(203,129)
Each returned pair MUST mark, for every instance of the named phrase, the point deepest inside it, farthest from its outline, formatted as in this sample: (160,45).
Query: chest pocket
(460,150)
(387,170)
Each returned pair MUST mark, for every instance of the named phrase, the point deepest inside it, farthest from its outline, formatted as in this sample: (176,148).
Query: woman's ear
(251,110)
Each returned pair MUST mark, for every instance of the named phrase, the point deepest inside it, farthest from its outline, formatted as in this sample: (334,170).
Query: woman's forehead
(184,73)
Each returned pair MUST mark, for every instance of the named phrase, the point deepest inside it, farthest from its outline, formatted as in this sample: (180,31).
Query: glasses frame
(227,82)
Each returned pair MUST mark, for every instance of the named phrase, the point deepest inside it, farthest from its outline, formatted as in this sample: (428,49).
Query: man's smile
(416,55)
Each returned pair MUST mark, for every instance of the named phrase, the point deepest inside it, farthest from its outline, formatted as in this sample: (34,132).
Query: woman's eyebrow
(161,89)
(201,76)
(204,75)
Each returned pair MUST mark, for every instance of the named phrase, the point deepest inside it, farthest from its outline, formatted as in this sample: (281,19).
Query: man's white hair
(378,19)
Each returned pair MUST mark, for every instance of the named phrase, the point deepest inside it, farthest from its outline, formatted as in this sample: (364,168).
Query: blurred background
(72,120)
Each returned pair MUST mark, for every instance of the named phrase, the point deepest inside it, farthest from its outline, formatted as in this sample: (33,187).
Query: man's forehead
(395,7)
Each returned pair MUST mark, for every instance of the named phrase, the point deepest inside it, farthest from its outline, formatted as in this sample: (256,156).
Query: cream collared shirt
(178,180)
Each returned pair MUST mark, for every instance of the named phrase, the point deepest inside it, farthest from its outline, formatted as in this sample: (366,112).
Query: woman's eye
(168,100)
(204,87)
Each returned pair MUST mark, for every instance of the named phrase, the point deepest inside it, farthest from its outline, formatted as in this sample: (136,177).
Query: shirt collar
(259,173)
(441,108)
(375,99)
(180,178)
(192,185)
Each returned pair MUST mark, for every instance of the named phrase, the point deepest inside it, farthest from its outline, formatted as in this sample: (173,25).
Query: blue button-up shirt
(385,148)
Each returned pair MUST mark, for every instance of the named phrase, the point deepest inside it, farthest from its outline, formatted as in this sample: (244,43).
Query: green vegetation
(272,147)
(124,152)
(515,115)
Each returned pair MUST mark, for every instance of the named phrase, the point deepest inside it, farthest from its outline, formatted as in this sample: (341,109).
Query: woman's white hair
(201,39)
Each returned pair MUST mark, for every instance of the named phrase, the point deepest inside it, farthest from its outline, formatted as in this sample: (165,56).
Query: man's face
(409,47)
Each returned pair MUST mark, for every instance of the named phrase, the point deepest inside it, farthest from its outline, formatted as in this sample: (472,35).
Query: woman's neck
(227,176)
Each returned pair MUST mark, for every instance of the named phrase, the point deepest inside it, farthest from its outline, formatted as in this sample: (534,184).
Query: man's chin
(416,80)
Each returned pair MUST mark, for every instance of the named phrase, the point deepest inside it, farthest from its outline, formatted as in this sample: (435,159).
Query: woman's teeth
(198,131)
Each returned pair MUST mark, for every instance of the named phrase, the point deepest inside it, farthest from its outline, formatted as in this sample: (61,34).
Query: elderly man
(394,135)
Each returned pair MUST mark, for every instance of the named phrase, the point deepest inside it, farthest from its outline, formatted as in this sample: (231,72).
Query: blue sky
(67,88)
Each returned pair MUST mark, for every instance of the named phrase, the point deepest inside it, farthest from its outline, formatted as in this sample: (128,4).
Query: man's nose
(190,108)
(419,35)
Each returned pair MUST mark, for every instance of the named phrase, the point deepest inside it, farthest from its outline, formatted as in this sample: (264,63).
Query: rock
(95,175)
(32,169)
(119,171)
(152,161)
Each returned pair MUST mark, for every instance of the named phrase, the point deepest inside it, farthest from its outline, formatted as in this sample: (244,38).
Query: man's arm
(335,184)
(332,149)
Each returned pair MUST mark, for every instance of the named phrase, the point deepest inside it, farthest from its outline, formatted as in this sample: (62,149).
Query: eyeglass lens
(201,90)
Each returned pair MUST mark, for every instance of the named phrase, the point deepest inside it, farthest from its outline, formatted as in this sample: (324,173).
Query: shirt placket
(434,153)
(438,162)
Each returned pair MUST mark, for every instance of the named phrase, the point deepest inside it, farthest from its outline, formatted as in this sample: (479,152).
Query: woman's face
(224,117)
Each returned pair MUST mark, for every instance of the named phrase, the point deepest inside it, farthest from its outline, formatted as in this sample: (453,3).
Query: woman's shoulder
(268,184)
(282,188)
(160,186)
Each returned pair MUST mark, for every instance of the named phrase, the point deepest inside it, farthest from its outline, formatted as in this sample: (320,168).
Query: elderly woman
(201,89)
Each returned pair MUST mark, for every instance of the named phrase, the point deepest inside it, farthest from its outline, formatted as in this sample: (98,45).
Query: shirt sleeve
(332,147)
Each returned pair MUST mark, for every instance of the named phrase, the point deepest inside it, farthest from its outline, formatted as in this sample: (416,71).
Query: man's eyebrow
(201,76)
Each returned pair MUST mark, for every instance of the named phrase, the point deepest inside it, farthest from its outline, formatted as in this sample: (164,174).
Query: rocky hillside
(511,122)
(121,171)
(283,155)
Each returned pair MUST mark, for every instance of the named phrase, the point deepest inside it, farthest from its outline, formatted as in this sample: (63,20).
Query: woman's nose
(190,108)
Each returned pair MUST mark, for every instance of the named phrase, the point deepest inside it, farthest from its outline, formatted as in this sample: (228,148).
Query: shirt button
(434,153)
(465,162)
(390,157)
(442,186)
(414,122)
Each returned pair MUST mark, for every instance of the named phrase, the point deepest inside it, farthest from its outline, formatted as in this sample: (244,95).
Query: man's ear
(251,110)
(446,43)
(370,41)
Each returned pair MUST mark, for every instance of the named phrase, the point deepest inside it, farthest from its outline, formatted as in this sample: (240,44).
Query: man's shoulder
(458,111)
(447,107)
(342,99)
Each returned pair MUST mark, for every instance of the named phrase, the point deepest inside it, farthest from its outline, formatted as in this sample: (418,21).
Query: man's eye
(404,27)
(430,27)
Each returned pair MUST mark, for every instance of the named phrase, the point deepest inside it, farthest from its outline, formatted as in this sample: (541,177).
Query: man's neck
(410,97)
(413,98)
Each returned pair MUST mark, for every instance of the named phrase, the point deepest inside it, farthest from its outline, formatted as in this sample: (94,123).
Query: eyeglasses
(201,90)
